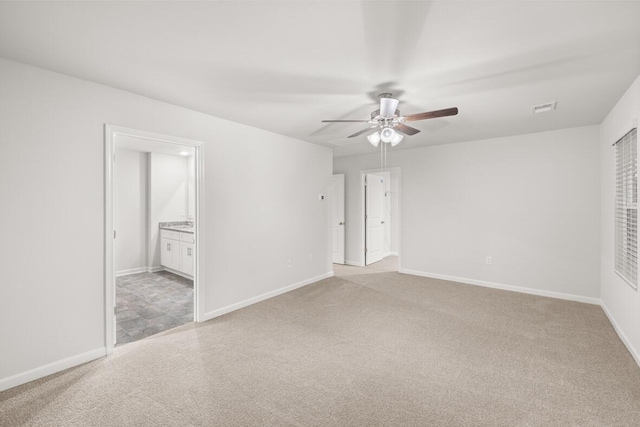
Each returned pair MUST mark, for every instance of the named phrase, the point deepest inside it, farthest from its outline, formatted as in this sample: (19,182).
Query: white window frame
(626,208)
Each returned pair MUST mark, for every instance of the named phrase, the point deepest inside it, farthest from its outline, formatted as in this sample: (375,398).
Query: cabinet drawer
(168,234)
(187,237)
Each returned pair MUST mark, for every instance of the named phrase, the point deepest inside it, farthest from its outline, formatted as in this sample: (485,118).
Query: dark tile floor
(149,303)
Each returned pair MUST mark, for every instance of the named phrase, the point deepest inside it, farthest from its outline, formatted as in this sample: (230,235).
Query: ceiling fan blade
(432,114)
(344,121)
(361,132)
(407,130)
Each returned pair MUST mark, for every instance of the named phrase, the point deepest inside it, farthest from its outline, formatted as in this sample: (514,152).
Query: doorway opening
(153,200)
(381,219)
(374,234)
(337,219)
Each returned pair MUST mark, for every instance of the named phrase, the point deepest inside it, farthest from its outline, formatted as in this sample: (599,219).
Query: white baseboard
(131,271)
(51,368)
(634,353)
(228,309)
(150,270)
(532,291)
(393,253)
(353,263)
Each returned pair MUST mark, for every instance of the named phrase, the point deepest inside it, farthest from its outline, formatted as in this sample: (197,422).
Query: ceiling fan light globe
(374,139)
(387,135)
(396,139)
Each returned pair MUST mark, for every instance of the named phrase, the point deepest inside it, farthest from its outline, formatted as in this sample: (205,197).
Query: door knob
(342,223)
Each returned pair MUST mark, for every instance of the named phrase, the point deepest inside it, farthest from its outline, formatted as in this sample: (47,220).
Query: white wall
(168,196)
(131,210)
(621,302)
(527,201)
(261,207)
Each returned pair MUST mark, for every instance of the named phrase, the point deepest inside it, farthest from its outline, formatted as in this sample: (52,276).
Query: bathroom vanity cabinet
(177,250)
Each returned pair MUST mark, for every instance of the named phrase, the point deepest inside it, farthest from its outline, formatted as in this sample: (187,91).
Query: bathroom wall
(131,211)
(168,197)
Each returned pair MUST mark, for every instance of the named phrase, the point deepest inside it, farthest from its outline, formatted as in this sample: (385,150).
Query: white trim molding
(523,290)
(51,368)
(132,271)
(634,353)
(242,304)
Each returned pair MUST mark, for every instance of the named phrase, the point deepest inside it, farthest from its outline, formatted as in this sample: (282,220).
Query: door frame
(363,211)
(111,134)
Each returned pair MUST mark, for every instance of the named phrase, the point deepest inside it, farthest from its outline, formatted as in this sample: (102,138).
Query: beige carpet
(380,349)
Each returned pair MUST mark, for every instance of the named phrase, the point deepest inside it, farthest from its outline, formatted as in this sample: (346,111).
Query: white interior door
(337,218)
(374,218)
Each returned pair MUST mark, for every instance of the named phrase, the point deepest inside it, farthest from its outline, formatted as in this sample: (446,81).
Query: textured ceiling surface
(285,66)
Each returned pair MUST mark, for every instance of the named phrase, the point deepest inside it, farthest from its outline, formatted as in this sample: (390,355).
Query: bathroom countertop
(181,226)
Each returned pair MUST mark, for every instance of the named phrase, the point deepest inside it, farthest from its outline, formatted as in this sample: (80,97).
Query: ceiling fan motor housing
(388,106)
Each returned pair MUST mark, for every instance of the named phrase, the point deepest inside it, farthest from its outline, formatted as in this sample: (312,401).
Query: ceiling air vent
(543,108)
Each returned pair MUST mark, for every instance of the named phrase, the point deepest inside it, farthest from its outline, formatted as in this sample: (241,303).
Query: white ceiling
(285,66)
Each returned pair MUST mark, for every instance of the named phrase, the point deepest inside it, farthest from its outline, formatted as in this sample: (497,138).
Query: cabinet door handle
(189,251)
(168,246)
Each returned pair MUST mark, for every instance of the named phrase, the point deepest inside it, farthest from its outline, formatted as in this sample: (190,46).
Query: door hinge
(366,250)
(114,234)
(114,310)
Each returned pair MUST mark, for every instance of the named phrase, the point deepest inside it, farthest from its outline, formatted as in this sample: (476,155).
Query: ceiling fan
(389,125)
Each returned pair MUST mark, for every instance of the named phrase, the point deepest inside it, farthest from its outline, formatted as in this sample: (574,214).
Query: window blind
(626,239)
